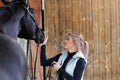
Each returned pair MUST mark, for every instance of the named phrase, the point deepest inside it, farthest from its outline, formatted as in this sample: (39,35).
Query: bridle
(37,32)
(48,76)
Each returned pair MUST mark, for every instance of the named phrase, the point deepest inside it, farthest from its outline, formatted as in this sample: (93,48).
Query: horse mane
(10,16)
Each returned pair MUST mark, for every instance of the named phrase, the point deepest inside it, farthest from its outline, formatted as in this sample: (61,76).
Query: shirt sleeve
(44,61)
(78,72)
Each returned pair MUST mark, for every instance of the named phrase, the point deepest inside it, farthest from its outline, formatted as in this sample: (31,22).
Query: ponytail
(85,49)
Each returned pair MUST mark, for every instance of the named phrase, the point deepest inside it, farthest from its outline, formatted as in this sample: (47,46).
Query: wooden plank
(68,15)
(88,19)
(56,26)
(91,47)
(118,40)
(113,38)
(95,40)
(89,37)
(83,11)
(107,41)
(101,40)
(48,26)
(80,16)
(75,16)
(52,28)
(62,23)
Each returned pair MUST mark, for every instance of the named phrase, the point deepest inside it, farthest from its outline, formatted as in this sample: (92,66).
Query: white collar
(80,54)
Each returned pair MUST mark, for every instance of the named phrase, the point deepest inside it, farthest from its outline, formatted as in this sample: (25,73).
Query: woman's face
(69,43)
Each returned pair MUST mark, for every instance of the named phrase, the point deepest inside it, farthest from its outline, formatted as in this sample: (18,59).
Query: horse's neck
(11,33)
(10,26)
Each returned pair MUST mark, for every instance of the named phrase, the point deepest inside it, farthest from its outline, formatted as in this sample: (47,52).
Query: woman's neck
(71,50)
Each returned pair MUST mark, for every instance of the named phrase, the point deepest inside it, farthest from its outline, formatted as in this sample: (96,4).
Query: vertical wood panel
(80,16)
(95,40)
(62,22)
(107,41)
(47,21)
(101,39)
(118,38)
(89,72)
(68,15)
(75,15)
(113,38)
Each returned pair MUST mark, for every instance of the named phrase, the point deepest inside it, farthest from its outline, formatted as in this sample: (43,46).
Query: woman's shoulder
(81,61)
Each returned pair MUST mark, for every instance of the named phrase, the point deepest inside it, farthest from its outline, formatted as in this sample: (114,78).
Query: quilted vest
(72,62)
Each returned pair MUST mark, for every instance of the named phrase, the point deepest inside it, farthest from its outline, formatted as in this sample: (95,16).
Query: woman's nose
(65,41)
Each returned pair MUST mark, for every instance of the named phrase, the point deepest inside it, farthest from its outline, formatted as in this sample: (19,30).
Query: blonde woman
(70,63)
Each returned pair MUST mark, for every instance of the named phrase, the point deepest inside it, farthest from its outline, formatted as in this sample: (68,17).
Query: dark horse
(16,20)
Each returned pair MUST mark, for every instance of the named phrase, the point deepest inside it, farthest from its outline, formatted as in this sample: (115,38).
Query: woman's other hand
(56,65)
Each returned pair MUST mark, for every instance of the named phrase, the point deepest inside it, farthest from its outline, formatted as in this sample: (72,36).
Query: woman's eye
(68,39)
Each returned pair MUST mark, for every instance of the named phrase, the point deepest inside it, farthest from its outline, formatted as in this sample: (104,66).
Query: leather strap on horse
(35,62)
(48,76)
(33,77)
(37,30)
(42,12)
(29,59)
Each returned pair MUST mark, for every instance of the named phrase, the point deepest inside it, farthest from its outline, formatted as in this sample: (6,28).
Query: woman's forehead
(69,37)
(75,35)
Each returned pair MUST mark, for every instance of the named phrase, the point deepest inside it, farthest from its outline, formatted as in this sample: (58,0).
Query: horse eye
(31,10)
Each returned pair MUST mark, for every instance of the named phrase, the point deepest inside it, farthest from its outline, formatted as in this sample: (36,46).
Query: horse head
(27,25)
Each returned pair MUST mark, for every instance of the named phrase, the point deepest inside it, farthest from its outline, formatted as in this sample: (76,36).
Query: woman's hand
(45,40)
(56,65)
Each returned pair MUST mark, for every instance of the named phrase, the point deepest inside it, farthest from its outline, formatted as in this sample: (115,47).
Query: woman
(70,63)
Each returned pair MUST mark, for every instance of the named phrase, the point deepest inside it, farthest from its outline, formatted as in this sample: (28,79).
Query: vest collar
(79,54)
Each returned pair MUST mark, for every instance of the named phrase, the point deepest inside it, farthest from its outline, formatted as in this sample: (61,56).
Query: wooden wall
(98,21)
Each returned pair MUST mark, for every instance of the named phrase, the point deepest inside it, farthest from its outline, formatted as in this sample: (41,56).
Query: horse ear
(5,2)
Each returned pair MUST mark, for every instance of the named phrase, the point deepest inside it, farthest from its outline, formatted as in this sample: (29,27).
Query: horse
(16,20)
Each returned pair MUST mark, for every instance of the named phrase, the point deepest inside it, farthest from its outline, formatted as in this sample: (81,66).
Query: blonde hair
(82,45)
